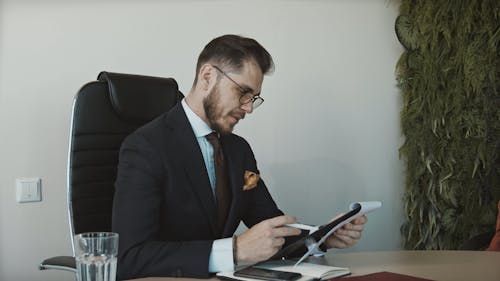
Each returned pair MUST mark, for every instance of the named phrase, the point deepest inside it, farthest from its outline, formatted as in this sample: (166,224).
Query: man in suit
(185,181)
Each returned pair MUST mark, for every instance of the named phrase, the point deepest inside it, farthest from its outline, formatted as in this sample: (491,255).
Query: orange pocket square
(251,180)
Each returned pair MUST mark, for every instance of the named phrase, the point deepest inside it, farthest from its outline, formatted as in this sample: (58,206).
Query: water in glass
(96,268)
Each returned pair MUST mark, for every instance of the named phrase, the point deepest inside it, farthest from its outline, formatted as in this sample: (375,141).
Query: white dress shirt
(221,256)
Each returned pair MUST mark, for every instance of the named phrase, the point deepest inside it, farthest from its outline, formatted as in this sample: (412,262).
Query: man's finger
(336,242)
(349,233)
(281,220)
(286,231)
(356,227)
(361,220)
(348,241)
(278,242)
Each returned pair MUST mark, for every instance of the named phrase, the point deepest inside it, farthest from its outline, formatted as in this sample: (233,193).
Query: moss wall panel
(449,78)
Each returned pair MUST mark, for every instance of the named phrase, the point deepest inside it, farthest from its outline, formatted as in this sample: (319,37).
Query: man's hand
(264,239)
(348,235)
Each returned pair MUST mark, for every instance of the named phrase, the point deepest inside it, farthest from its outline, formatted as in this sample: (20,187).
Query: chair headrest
(140,98)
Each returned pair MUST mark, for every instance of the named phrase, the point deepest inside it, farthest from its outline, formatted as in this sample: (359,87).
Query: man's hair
(231,51)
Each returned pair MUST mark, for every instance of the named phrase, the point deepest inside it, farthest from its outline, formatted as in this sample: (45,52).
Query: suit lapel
(193,163)
(235,172)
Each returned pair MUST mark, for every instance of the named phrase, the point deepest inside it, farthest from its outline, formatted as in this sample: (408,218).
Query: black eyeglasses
(246,93)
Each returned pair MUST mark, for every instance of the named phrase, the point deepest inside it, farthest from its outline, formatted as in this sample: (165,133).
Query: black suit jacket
(164,210)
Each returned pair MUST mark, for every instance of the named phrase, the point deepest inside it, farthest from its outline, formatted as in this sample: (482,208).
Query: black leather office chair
(104,113)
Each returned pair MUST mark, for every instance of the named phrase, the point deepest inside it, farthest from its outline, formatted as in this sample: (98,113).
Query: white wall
(328,133)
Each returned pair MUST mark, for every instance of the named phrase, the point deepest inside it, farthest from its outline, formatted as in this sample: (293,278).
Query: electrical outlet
(28,190)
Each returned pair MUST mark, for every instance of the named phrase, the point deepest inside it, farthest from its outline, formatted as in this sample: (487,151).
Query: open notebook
(309,271)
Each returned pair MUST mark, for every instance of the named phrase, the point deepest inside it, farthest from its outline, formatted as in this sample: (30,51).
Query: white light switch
(28,190)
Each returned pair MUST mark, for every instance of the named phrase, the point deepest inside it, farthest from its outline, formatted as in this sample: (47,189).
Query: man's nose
(247,107)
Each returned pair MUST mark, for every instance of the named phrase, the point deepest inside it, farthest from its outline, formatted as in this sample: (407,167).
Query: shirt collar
(200,128)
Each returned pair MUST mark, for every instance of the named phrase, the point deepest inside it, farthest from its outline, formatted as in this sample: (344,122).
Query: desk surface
(436,265)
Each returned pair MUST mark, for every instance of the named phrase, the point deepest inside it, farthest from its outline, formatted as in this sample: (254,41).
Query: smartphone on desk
(267,274)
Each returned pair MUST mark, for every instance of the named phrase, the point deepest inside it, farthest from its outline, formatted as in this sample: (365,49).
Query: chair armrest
(60,262)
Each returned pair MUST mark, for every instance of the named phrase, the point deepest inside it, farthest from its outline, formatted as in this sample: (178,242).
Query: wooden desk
(436,265)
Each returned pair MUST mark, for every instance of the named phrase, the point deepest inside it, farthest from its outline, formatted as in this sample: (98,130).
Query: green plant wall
(449,79)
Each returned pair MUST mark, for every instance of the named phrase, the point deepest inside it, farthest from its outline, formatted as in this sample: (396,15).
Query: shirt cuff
(221,256)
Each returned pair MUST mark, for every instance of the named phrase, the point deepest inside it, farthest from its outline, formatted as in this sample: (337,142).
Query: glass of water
(95,254)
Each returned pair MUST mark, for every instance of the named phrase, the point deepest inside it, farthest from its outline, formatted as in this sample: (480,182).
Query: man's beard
(210,105)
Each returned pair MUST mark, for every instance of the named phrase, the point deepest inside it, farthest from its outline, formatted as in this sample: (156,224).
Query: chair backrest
(104,113)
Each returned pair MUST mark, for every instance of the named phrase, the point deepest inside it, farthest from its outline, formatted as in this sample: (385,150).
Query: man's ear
(206,77)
